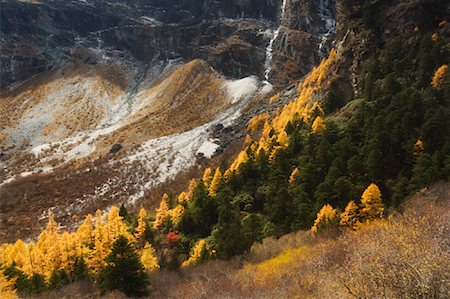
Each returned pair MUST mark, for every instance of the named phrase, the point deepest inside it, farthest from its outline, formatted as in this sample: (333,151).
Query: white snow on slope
(208,148)
(242,88)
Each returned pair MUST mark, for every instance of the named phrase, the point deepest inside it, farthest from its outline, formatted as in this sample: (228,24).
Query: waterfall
(326,15)
(269,49)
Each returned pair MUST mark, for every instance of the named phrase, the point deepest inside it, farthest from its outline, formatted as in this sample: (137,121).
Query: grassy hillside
(404,256)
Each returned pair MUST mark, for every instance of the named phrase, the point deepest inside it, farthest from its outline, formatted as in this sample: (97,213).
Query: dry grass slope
(404,256)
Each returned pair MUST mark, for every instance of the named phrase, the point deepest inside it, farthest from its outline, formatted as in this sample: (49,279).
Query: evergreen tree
(124,271)
(252,228)
(227,234)
(58,279)
(80,270)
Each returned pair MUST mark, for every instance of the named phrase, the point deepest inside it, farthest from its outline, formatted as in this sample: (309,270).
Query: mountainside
(82,79)
(178,132)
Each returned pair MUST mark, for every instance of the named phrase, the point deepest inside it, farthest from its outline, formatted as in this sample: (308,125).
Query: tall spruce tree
(124,271)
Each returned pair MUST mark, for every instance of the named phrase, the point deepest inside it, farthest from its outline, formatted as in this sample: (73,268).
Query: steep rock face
(306,33)
(37,36)
(232,35)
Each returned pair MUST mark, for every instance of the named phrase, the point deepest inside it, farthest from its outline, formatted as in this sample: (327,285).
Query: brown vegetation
(404,256)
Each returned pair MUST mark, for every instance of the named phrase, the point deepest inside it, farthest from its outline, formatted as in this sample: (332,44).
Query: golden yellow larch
(182,197)
(350,216)
(435,37)
(440,76)
(294,175)
(372,204)
(6,288)
(207,176)
(274,98)
(52,226)
(257,121)
(318,125)
(18,253)
(84,231)
(49,245)
(69,252)
(148,258)
(142,224)
(199,253)
(100,251)
(186,196)
(241,158)
(248,140)
(176,214)
(326,216)
(161,212)
(215,182)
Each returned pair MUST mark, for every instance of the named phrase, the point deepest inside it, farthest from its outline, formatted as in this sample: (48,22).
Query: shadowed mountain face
(232,35)
(39,35)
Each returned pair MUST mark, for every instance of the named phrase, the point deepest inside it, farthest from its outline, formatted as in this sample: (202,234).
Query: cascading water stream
(326,15)
(269,49)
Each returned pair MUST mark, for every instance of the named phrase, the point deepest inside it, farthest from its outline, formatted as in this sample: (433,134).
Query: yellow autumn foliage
(372,204)
(215,182)
(326,217)
(142,225)
(257,122)
(161,212)
(266,273)
(293,176)
(318,125)
(207,176)
(350,216)
(200,252)
(440,76)
(56,249)
(148,258)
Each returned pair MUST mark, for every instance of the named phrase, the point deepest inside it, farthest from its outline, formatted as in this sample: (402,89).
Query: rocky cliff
(232,35)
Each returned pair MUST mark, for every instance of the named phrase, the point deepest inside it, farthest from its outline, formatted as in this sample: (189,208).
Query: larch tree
(207,176)
(161,212)
(350,216)
(371,203)
(199,253)
(142,224)
(440,76)
(148,258)
(217,178)
(318,125)
(327,218)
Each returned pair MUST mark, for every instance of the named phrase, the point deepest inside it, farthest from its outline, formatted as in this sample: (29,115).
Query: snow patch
(267,88)
(208,149)
(242,88)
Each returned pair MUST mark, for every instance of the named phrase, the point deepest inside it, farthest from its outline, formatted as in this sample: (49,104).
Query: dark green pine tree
(58,279)
(227,234)
(24,285)
(124,271)
(278,205)
(200,214)
(81,270)
(252,228)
